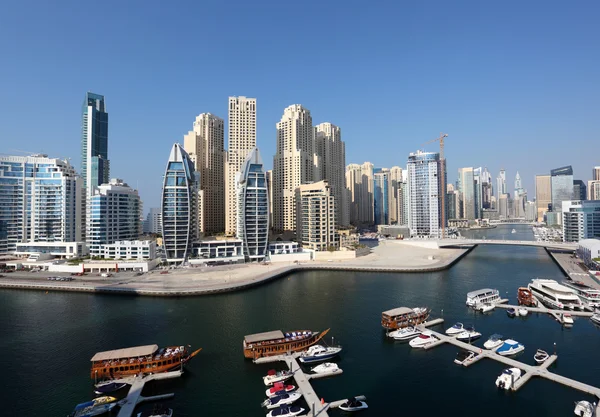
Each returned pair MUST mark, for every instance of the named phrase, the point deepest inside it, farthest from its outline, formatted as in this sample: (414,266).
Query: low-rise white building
(35,251)
(588,250)
(130,249)
(218,251)
(283,247)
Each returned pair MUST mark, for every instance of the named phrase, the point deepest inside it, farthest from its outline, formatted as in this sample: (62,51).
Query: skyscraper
(94,142)
(543,195)
(205,147)
(316,216)
(518,185)
(466,186)
(501,183)
(40,201)
(293,164)
(596,174)
(331,156)
(593,190)
(253,208)
(424,182)
(241,141)
(486,189)
(153,223)
(579,190)
(562,187)
(381,195)
(179,205)
(394,184)
(115,211)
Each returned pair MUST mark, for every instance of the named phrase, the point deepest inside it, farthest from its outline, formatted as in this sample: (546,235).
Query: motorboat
(508,378)
(588,295)
(274,376)
(595,318)
(554,295)
(106,388)
(525,298)
(456,329)
(353,404)
(483,296)
(318,353)
(584,409)
(522,311)
(511,312)
(468,335)
(283,399)
(89,409)
(567,319)
(326,368)
(464,356)
(513,231)
(400,317)
(540,356)
(104,400)
(286,411)
(406,333)
(424,339)
(494,342)
(486,307)
(157,411)
(279,388)
(510,347)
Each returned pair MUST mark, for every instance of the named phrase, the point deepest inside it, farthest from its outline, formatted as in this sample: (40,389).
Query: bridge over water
(550,245)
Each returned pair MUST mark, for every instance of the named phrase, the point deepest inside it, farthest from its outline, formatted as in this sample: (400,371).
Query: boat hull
(407,320)
(471,337)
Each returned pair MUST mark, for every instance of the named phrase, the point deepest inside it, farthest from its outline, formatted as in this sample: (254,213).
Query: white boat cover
(131,352)
(261,337)
(398,311)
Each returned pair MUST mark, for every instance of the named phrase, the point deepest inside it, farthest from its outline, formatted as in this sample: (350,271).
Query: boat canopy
(131,352)
(261,337)
(398,311)
(483,291)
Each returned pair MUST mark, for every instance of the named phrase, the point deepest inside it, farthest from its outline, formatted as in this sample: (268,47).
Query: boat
(510,347)
(424,339)
(398,318)
(540,356)
(405,333)
(464,356)
(455,329)
(525,298)
(522,311)
(494,342)
(157,411)
(353,404)
(326,368)
(279,388)
(468,335)
(108,387)
(282,399)
(138,360)
(513,231)
(274,376)
(277,343)
(588,295)
(317,353)
(595,318)
(89,409)
(554,295)
(286,411)
(104,400)
(483,296)
(508,378)
(584,409)
(485,307)
(511,312)
(566,319)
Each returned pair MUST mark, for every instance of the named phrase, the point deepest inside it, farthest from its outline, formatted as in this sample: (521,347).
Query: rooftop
(261,337)
(131,352)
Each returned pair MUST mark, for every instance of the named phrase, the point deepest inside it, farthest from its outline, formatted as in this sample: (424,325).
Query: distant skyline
(514,84)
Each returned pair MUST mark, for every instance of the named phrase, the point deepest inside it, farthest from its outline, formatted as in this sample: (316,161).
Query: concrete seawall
(147,290)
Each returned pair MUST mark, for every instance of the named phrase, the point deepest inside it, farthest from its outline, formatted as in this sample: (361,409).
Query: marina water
(47,341)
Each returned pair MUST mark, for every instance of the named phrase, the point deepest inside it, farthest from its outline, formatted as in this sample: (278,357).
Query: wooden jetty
(134,396)
(304,386)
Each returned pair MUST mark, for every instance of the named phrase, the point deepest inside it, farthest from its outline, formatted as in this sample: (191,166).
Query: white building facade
(424,184)
(130,250)
(316,216)
(580,220)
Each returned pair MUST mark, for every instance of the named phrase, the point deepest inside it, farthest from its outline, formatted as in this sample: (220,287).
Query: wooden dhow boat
(525,298)
(401,317)
(137,360)
(277,343)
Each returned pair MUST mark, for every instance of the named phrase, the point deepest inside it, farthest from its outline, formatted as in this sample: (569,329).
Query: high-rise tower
(241,141)
(424,181)
(94,142)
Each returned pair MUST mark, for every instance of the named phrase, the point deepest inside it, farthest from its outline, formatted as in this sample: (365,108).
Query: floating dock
(304,387)
(554,313)
(134,396)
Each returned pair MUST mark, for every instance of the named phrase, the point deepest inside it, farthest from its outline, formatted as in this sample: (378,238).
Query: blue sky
(515,84)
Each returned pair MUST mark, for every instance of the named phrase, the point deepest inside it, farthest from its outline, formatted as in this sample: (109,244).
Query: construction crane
(443,181)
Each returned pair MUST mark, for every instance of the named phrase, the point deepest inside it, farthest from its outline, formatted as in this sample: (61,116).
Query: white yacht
(523,311)
(318,353)
(595,318)
(468,335)
(456,329)
(494,342)
(276,376)
(483,296)
(353,404)
(567,319)
(424,339)
(406,333)
(510,347)
(589,296)
(508,378)
(326,368)
(554,295)
(485,308)
(464,356)
(584,409)
(282,399)
(540,356)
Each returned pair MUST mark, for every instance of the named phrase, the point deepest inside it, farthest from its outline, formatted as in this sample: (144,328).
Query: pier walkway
(554,313)
(530,370)
(134,396)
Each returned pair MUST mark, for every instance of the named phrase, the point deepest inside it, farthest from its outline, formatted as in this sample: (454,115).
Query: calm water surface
(47,341)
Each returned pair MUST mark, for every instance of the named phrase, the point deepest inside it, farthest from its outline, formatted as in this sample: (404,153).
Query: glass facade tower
(381,196)
(424,182)
(562,186)
(179,206)
(253,207)
(94,142)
